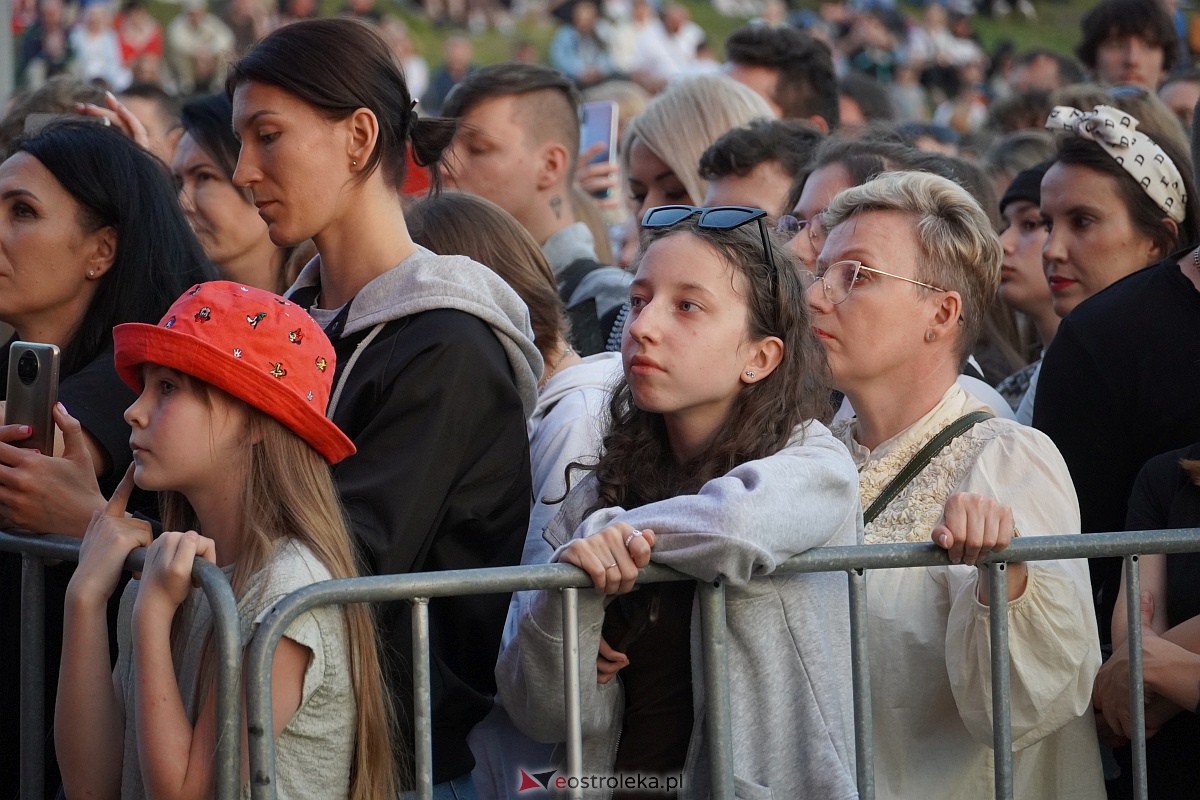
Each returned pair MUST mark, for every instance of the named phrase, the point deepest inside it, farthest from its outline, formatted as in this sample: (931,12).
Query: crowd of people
(861,283)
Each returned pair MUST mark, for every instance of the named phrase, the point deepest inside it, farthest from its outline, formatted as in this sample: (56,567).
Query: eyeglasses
(840,278)
(717,218)
(791,226)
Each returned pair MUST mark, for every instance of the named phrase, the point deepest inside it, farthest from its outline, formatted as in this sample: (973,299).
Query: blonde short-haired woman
(909,265)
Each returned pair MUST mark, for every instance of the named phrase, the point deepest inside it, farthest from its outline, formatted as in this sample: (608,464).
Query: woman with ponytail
(436,368)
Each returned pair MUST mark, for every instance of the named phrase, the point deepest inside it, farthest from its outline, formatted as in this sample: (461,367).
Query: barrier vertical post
(1137,695)
(570,616)
(719,716)
(422,699)
(1001,686)
(227,639)
(864,746)
(33,677)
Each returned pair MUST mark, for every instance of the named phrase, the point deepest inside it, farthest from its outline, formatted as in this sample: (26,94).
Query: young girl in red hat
(230,429)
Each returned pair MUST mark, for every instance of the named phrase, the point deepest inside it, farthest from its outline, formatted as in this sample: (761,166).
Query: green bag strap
(921,460)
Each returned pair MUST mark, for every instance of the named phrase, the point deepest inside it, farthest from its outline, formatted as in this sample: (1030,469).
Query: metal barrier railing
(419,588)
(35,551)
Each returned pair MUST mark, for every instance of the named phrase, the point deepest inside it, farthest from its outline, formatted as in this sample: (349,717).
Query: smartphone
(600,127)
(32,392)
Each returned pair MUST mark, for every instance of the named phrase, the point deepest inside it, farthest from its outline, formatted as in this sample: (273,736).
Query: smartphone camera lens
(27,367)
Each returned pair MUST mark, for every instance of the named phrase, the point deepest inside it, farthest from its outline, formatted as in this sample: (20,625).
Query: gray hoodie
(789,640)
(426,281)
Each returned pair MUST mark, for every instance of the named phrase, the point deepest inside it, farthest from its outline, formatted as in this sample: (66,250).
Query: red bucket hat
(255,345)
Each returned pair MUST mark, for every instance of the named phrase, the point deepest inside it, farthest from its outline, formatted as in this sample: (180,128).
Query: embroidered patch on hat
(279,365)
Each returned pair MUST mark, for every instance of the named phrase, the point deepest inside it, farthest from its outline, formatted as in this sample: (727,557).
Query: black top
(97,397)
(1120,384)
(652,626)
(441,480)
(1164,496)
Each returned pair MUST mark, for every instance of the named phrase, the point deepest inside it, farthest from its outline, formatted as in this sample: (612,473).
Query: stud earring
(91,273)
(353,163)
(930,336)
(749,373)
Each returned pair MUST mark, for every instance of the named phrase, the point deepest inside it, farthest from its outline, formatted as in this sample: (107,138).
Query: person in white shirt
(898,298)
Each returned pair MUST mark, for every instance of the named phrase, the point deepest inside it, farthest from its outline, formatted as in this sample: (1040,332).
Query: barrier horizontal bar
(497,580)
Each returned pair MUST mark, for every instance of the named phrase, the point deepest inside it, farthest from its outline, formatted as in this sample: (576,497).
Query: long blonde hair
(682,122)
(289,494)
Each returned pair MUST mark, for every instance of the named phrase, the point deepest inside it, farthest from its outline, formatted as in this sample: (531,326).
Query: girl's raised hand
(167,574)
(611,557)
(109,540)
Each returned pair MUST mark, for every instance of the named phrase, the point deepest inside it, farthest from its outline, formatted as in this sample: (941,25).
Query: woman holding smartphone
(90,236)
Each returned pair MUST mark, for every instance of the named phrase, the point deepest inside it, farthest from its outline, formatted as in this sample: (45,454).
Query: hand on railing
(973,526)
(167,575)
(611,557)
(109,540)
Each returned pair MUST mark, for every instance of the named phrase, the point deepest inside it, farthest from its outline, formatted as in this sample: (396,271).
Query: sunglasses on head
(717,218)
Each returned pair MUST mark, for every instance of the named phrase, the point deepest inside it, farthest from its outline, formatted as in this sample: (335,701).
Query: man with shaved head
(517,144)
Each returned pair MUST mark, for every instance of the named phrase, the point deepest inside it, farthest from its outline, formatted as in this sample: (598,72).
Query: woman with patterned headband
(1118,386)
(1115,201)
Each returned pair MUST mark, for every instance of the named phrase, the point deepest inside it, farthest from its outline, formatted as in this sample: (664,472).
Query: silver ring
(630,538)
(610,566)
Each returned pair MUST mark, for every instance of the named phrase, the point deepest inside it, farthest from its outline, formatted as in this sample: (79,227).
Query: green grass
(1056,28)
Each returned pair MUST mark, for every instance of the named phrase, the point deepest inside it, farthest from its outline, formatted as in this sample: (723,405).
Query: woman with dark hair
(1023,286)
(91,236)
(1107,218)
(222,216)
(436,368)
(1116,202)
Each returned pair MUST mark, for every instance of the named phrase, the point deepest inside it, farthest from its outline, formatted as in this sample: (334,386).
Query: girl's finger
(206,548)
(120,496)
(629,574)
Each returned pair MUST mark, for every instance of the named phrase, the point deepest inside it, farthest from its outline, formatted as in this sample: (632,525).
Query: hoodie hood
(426,281)
(602,371)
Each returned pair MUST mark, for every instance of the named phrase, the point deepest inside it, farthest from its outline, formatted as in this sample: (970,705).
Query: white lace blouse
(929,637)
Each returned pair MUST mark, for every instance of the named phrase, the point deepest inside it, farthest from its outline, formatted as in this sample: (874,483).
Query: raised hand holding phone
(32,392)
(598,149)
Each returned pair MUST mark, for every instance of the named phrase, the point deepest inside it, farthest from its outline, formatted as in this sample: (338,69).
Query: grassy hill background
(1057,27)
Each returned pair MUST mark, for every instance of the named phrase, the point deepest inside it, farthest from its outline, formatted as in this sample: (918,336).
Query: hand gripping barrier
(35,551)
(419,588)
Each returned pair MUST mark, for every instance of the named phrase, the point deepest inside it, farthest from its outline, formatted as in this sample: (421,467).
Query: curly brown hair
(638,467)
